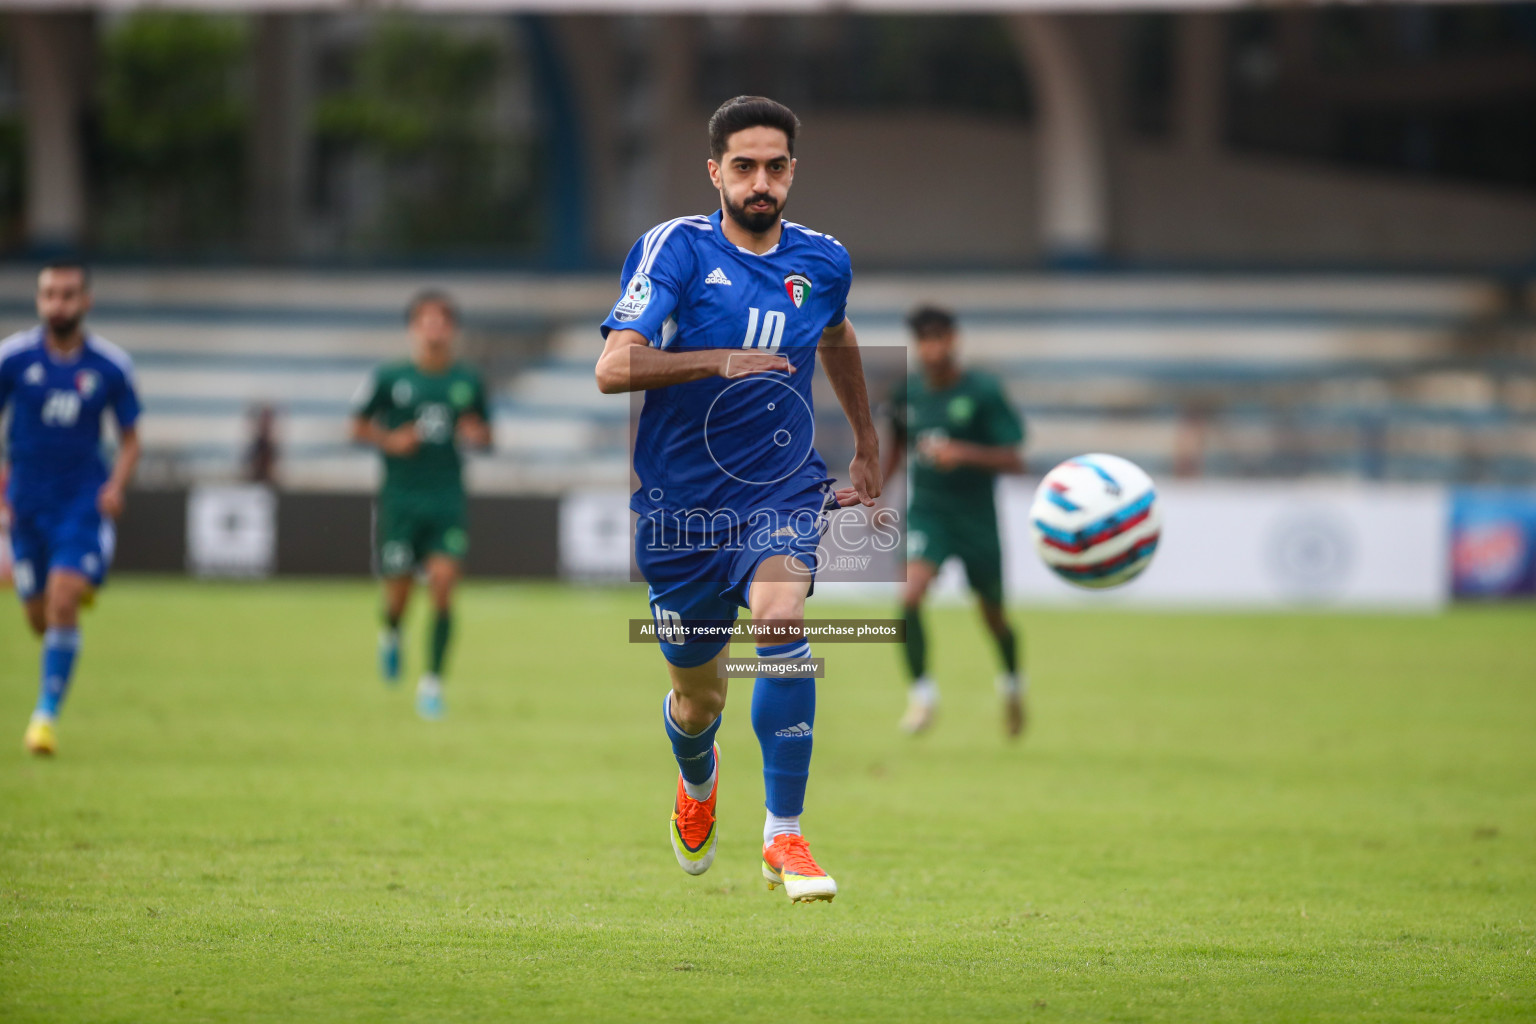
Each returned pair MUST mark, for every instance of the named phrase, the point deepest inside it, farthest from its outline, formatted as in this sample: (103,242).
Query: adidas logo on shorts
(801,731)
(717,276)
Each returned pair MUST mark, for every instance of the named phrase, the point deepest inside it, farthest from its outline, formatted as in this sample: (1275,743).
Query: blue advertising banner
(1493,543)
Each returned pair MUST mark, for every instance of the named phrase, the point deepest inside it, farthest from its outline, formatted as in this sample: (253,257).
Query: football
(1095,520)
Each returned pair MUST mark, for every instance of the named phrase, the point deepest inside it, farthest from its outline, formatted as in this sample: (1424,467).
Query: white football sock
(777,826)
(925,691)
(1011,685)
(701,791)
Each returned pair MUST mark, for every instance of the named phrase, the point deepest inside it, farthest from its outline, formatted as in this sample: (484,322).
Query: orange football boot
(787,861)
(693,825)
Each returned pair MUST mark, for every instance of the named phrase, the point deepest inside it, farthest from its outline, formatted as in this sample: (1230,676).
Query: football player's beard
(63,326)
(757,223)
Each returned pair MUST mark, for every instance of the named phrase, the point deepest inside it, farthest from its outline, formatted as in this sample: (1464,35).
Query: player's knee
(442,574)
(62,597)
(785,611)
(696,709)
(63,612)
(919,578)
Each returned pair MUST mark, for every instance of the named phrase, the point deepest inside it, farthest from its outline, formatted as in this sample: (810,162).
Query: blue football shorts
(74,536)
(701,572)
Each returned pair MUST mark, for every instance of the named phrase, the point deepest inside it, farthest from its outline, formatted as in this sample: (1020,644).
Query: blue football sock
(783,714)
(695,753)
(59,647)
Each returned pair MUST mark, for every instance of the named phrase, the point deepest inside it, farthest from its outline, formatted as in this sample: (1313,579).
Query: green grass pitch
(1213,818)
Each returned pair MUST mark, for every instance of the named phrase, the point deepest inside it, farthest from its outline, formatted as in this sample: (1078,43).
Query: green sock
(1008,650)
(916,647)
(442,628)
(391,622)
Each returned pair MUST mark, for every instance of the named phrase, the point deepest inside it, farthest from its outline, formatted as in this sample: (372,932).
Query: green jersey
(975,409)
(399,393)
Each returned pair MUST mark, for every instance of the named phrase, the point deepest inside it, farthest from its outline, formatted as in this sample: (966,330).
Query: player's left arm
(892,457)
(474,426)
(125,409)
(474,431)
(6,388)
(110,498)
(839,349)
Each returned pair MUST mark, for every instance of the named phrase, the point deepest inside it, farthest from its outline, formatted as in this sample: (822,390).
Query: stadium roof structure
(51,41)
(710,7)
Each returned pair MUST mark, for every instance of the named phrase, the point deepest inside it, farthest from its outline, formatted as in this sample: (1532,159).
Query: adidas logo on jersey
(800,731)
(717,276)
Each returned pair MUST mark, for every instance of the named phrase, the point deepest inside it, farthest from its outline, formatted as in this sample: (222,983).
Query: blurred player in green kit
(963,433)
(417,412)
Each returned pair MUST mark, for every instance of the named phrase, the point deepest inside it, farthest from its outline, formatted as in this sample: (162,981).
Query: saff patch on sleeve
(637,295)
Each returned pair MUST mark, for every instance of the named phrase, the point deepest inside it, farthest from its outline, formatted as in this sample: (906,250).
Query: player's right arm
(947,454)
(1000,454)
(639,332)
(400,441)
(630,363)
(366,428)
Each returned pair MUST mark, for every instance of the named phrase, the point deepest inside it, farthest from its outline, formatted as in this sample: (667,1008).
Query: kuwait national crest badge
(799,288)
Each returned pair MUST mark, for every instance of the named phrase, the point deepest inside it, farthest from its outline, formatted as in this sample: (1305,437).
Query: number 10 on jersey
(772,329)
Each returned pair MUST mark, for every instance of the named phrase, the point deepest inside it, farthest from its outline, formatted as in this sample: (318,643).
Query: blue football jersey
(54,441)
(730,445)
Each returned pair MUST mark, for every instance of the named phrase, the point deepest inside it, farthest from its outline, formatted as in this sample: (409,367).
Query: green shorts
(937,538)
(406,533)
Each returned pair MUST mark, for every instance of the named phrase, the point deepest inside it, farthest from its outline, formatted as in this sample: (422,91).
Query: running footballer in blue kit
(721,321)
(60,382)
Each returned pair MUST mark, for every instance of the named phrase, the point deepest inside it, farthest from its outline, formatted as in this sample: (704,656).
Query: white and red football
(1095,520)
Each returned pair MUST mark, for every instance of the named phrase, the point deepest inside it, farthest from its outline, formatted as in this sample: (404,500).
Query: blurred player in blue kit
(60,383)
(721,321)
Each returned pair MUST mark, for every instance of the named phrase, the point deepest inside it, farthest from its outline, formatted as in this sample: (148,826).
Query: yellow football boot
(40,738)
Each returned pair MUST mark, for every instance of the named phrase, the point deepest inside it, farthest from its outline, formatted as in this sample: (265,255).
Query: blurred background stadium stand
(1288,243)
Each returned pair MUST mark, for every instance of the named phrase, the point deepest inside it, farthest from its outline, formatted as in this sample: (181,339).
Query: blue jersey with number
(54,441)
(718,444)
